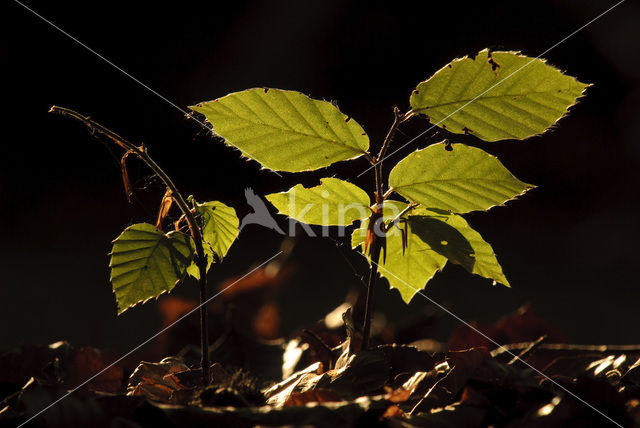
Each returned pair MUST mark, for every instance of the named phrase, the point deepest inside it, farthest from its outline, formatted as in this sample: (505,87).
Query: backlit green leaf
(145,263)
(285,130)
(433,238)
(451,236)
(333,203)
(498,96)
(461,180)
(219,231)
(409,271)
(193,269)
(220,226)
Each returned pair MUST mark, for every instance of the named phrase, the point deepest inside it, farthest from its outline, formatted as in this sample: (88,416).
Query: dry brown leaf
(165,206)
(266,323)
(156,381)
(86,362)
(523,325)
(398,395)
(312,396)
(393,412)
(125,175)
(280,392)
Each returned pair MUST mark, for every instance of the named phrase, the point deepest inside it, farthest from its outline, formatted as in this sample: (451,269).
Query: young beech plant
(146,261)
(494,96)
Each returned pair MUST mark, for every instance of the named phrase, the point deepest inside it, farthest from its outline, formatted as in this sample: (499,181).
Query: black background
(568,247)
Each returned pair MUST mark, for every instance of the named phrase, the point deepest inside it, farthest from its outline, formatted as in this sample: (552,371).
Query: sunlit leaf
(219,231)
(145,263)
(450,235)
(408,270)
(433,237)
(285,130)
(333,203)
(193,268)
(220,226)
(155,380)
(460,180)
(496,96)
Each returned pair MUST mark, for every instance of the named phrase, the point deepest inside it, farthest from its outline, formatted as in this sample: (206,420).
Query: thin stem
(368,310)
(196,234)
(398,119)
(378,241)
(370,158)
(399,216)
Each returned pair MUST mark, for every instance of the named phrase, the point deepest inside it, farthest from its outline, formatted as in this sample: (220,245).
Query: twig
(368,310)
(378,241)
(566,348)
(398,119)
(196,234)
(399,216)
(526,351)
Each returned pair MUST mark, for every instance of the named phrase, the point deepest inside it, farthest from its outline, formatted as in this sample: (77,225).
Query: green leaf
(408,272)
(220,226)
(285,130)
(145,263)
(460,180)
(193,269)
(433,238)
(497,96)
(219,231)
(451,236)
(333,203)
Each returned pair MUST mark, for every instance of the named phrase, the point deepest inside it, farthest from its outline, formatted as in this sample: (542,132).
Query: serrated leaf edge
(120,310)
(519,53)
(248,156)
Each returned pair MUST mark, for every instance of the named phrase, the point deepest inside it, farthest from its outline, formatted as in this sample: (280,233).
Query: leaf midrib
(489,97)
(289,130)
(451,179)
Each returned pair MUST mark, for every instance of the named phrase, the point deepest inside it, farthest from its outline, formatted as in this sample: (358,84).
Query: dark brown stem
(196,234)
(377,241)
(398,119)
(368,310)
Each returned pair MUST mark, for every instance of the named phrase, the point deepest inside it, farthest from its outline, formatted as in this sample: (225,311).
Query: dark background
(569,247)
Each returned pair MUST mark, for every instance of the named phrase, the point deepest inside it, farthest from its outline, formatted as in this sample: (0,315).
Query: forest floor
(319,376)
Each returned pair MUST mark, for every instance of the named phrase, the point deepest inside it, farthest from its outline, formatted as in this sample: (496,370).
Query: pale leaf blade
(460,180)
(497,96)
(146,263)
(219,231)
(220,226)
(285,130)
(334,202)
